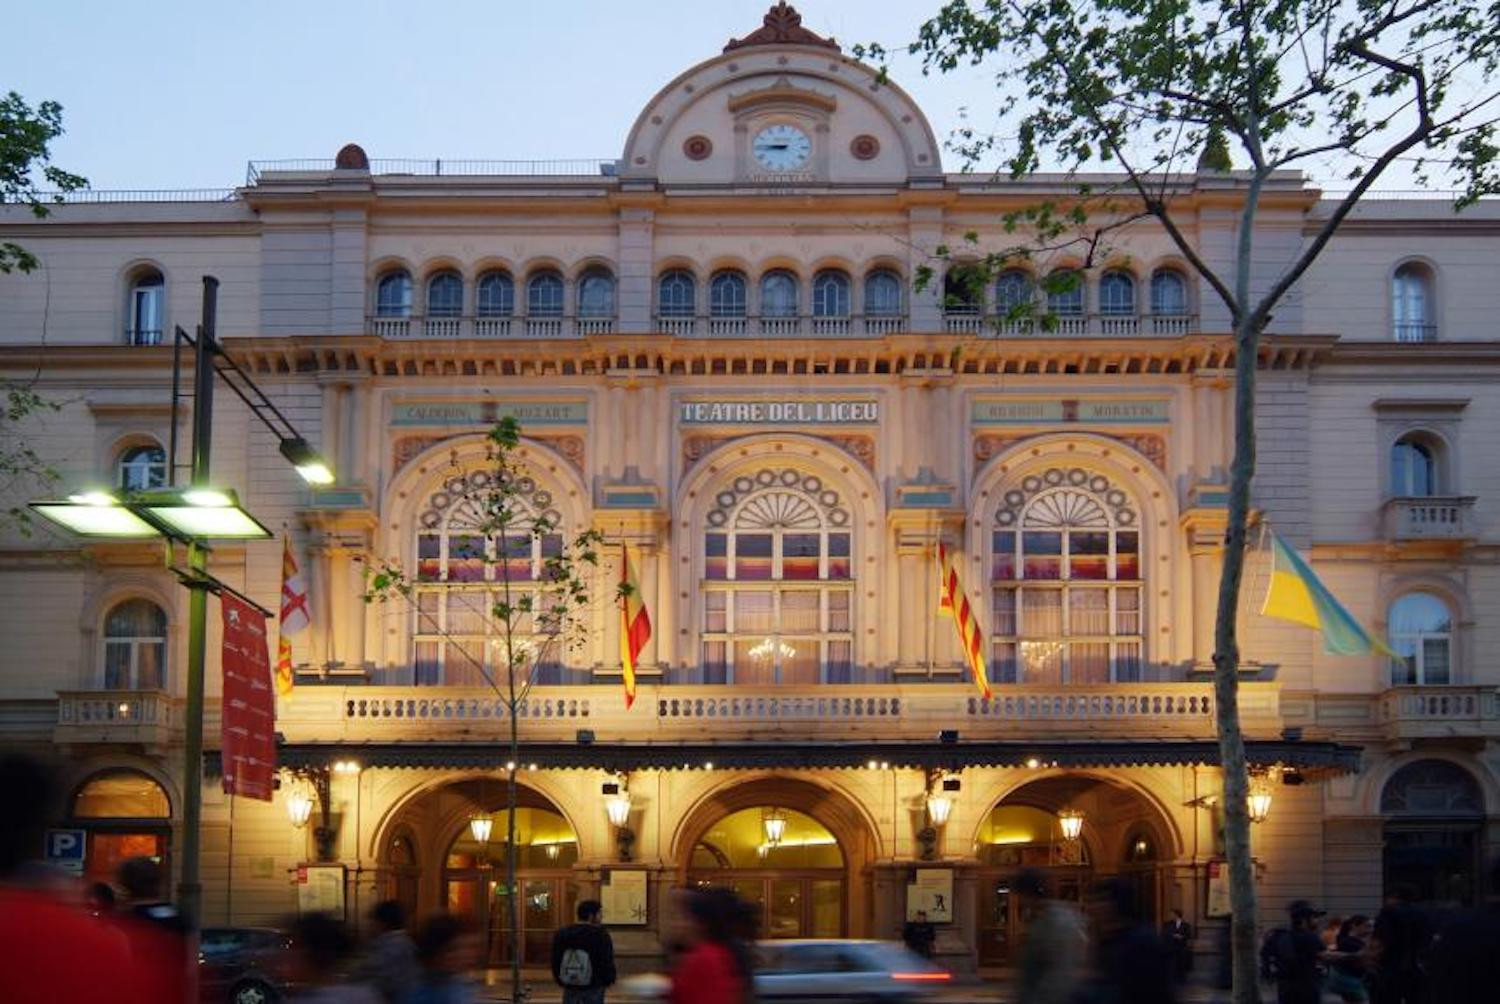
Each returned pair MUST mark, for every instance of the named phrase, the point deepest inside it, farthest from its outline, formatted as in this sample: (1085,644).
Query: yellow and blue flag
(1296,594)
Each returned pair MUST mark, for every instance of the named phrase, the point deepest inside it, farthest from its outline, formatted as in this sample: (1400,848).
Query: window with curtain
(1413,468)
(142,467)
(778,593)
(778,294)
(544,295)
(1117,293)
(677,294)
(135,646)
(1014,292)
(1065,578)
(727,295)
(1420,628)
(831,296)
(462,572)
(882,294)
(393,295)
(495,296)
(1411,304)
(1168,293)
(147,309)
(1066,299)
(596,294)
(445,295)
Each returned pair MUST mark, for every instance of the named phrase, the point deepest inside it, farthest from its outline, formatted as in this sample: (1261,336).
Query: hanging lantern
(480,825)
(774,822)
(939,808)
(1259,802)
(1071,821)
(299,806)
(617,806)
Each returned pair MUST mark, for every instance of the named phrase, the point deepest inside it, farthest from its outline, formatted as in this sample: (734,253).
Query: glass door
(786,906)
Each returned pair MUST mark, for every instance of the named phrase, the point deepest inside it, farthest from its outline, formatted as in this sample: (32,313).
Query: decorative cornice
(782,90)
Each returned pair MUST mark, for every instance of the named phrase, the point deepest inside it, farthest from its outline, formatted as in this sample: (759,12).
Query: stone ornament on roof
(782,26)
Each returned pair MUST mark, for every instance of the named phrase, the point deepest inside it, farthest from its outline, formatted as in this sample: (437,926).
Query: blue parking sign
(65,849)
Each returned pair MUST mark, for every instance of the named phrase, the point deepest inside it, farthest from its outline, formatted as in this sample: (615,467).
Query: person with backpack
(583,957)
(1292,955)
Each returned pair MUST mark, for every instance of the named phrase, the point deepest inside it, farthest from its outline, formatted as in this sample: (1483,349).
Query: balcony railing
(143,336)
(115,716)
(439,328)
(1419,712)
(1405,332)
(1071,325)
(685,713)
(816,326)
(1429,518)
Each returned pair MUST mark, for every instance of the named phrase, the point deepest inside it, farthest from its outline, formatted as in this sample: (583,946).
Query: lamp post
(192,517)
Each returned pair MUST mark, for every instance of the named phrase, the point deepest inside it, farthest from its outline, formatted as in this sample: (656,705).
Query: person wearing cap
(1298,980)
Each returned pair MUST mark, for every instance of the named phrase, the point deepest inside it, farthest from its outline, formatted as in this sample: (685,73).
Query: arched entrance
(125,814)
(1074,829)
(1434,829)
(799,851)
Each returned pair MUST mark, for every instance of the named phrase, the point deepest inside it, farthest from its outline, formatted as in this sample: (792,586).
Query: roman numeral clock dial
(781,148)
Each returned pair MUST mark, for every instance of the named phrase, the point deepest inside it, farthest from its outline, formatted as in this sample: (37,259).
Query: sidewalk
(978,993)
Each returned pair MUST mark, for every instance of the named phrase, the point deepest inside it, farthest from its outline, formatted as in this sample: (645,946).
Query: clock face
(781,148)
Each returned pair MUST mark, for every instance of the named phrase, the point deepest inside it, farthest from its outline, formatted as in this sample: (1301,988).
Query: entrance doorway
(474,881)
(125,814)
(1433,834)
(1015,838)
(785,863)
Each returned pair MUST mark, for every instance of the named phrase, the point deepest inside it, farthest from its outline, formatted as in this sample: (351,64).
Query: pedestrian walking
(390,963)
(1296,952)
(1465,962)
(1347,969)
(920,935)
(1402,934)
(714,966)
(1133,964)
(1054,945)
(160,936)
(1179,935)
(583,957)
(447,948)
(321,946)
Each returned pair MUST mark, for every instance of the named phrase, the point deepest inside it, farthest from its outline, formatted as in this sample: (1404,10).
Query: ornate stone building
(719,353)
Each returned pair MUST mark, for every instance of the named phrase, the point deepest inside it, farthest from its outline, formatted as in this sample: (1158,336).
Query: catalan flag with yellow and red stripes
(635,624)
(954,601)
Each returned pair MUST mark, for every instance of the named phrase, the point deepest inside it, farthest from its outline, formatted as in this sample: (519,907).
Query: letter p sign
(65,849)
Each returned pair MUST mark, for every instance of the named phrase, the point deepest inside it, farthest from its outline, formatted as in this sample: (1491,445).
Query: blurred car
(244,965)
(822,970)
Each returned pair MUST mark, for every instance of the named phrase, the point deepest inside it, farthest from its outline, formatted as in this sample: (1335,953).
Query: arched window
(961,291)
(147,309)
(1014,293)
(1420,627)
(120,794)
(1065,293)
(1065,574)
(1432,788)
(882,294)
(726,295)
(1168,293)
(1117,293)
(445,295)
(544,294)
(677,294)
(596,294)
(778,294)
(462,573)
(393,295)
(1411,304)
(831,296)
(135,646)
(495,295)
(778,560)
(1414,472)
(142,467)
(1433,837)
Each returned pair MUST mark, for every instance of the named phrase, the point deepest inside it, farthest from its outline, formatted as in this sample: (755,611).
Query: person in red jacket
(714,966)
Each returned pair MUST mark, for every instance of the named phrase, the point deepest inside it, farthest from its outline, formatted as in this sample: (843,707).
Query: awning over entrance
(1312,757)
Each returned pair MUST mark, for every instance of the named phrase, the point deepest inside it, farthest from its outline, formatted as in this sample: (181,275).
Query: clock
(781,148)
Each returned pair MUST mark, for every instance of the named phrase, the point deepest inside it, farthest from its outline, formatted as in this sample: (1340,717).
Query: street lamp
(1258,802)
(313,468)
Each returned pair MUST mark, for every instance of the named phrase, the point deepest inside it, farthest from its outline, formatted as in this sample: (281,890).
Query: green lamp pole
(190,888)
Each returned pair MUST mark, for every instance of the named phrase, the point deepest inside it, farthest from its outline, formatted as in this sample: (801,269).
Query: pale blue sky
(177,94)
(181,93)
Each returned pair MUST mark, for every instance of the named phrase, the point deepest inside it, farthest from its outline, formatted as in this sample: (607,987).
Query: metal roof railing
(575,168)
(92,196)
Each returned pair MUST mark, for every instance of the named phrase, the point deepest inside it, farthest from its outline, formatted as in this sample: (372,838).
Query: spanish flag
(1296,594)
(295,616)
(953,600)
(635,623)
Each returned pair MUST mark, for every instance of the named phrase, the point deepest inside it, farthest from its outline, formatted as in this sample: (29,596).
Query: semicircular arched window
(1411,303)
(882,294)
(677,294)
(146,309)
(778,294)
(135,646)
(1432,788)
(1168,293)
(1117,293)
(726,295)
(463,571)
(1065,574)
(831,295)
(779,595)
(544,294)
(141,468)
(1414,466)
(495,296)
(393,294)
(445,295)
(596,294)
(1420,626)
(120,794)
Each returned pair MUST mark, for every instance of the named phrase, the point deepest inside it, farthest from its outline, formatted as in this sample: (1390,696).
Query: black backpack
(1277,956)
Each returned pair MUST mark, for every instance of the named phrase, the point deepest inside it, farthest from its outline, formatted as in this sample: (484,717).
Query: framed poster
(1217,902)
(320,889)
(623,897)
(931,893)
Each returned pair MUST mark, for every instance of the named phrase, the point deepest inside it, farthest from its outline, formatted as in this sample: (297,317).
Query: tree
(530,620)
(25,136)
(1150,88)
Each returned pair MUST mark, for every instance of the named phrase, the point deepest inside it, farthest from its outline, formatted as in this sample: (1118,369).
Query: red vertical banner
(249,708)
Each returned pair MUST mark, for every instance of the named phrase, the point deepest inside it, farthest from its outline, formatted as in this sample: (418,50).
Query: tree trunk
(510,843)
(1226,670)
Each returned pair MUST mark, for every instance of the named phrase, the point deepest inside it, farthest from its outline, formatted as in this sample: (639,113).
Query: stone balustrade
(1432,711)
